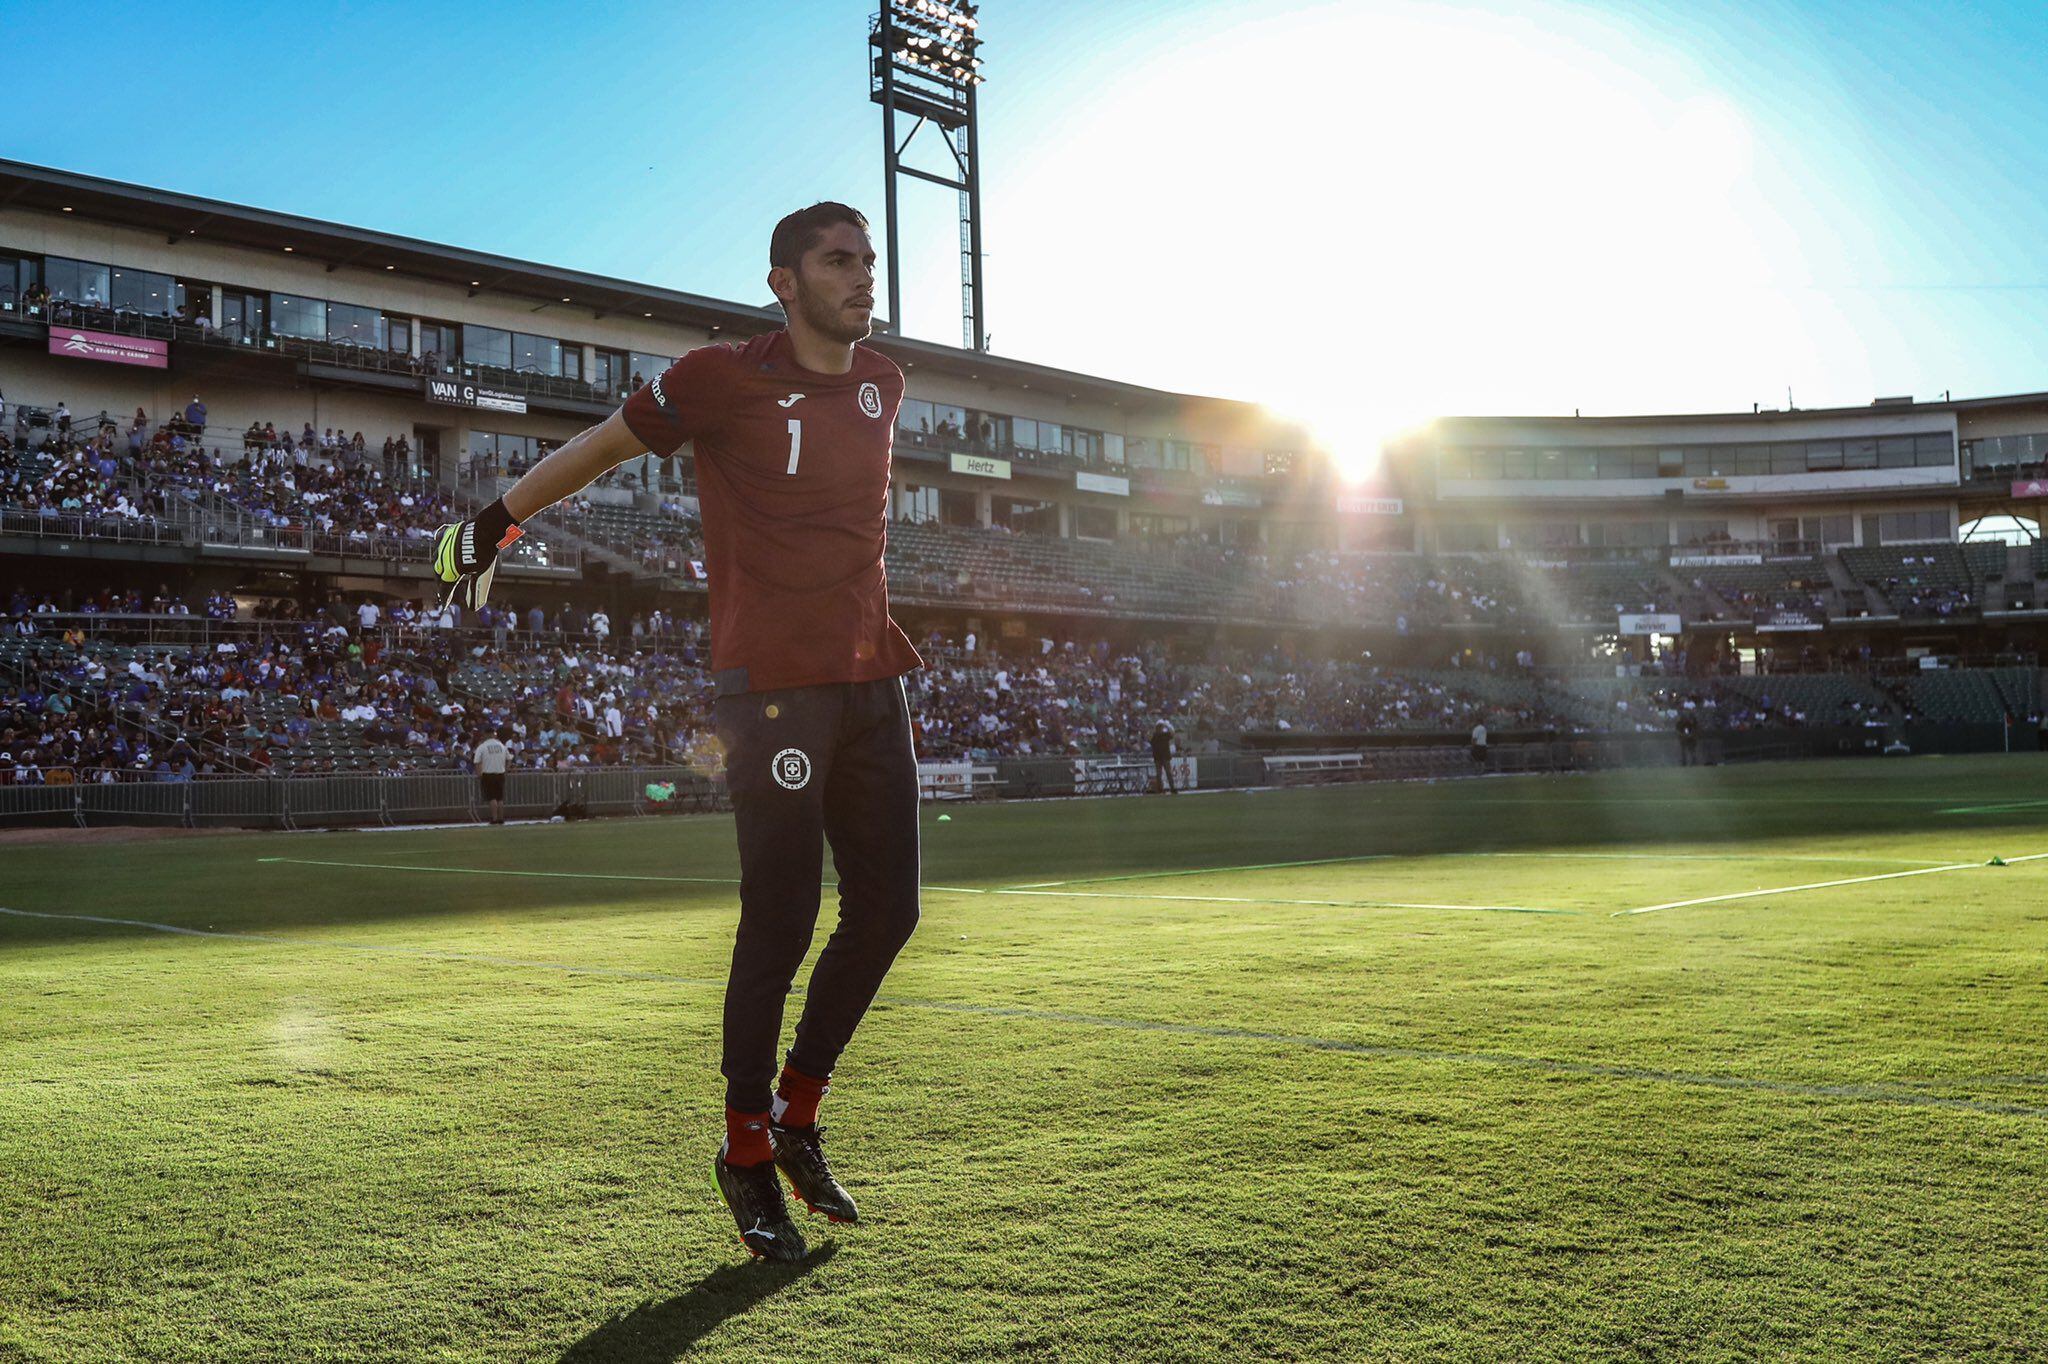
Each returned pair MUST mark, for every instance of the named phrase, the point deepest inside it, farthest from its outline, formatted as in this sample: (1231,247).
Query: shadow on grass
(659,1332)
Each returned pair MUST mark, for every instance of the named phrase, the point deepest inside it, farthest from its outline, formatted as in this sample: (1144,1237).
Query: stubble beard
(828,321)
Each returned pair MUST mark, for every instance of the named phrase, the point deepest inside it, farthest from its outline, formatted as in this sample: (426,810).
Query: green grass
(1166,1116)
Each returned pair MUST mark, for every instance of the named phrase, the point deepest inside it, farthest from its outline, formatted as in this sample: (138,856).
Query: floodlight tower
(925,63)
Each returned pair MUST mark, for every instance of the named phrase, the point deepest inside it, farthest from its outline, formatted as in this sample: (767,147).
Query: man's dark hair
(799,231)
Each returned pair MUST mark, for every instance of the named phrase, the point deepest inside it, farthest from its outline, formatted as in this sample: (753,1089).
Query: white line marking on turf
(1707,857)
(553,875)
(1586,1069)
(951,890)
(1815,885)
(1201,871)
(1267,900)
(504,871)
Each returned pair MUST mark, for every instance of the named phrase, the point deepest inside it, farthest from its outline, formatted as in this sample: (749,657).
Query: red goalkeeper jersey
(793,483)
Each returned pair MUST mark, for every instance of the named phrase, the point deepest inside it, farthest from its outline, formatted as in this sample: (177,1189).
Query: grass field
(1424,1094)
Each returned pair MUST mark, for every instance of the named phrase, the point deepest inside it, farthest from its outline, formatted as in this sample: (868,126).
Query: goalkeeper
(792,432)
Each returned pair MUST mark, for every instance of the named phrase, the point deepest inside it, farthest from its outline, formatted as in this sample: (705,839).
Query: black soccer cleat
(801,1155)
(755,1196)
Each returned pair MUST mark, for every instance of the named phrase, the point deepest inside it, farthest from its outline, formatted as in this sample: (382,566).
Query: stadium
(1571,890)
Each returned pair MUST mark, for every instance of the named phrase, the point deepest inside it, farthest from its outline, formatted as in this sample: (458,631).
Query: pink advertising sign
(119,350)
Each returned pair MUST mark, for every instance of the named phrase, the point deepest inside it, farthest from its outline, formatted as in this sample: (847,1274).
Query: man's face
(835,285)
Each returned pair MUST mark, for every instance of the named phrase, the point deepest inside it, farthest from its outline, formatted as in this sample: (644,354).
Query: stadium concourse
(227,435)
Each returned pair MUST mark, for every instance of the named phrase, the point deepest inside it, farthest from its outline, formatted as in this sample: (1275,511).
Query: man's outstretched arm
(572,466)
(466,552)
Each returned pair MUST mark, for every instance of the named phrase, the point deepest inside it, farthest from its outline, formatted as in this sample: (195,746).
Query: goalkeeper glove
(466,554)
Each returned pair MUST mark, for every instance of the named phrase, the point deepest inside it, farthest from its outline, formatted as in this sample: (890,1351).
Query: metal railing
(79,799)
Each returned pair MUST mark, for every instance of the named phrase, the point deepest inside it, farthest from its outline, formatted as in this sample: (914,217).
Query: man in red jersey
(792,432)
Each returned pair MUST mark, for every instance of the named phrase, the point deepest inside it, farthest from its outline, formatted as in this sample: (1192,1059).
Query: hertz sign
(457,393)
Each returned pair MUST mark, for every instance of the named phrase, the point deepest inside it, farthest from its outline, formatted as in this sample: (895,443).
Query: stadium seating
(1917,580)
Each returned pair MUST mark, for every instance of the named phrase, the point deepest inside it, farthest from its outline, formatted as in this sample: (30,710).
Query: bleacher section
(1918,580)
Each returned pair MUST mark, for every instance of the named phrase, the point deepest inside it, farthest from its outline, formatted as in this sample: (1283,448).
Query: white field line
(950,890)
(1202,871)
(1708,857)
(1815,885)
(1591,1070)
(550,875)
(1267,900)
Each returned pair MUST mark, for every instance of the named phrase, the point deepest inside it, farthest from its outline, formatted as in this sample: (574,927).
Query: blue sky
(1364,213)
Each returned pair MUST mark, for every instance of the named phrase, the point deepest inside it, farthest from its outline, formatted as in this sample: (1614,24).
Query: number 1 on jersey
(796,442)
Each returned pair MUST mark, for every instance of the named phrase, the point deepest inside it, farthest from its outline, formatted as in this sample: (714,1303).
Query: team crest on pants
(871,400)
(792,769)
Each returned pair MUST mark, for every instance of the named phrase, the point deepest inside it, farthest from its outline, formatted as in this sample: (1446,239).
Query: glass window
(17,273)
(572,360)
(949,421)
(76,280)
(536,354)
(440,344)
(1453,463)
(1895,452)
(354,323)
(1859,454)
(398,335)
(1828,530)
(1096,523)
(1896,527)
(1486,463)
(143,291)
(1519,464)
(486,346)
(192,299)
(608,373)
(1696,464)
(915,416)
(1469,537)
(243,316)
(647,368)
(1580,463)
(1933,451)
(305,318)
(1113,449)
(1178,454)
(1024,431)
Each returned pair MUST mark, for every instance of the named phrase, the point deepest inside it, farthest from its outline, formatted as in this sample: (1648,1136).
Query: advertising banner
(1114,484)
(1359,504)
(461,393)
(981,466)
(1652,623)
(1789,620)
(118,350)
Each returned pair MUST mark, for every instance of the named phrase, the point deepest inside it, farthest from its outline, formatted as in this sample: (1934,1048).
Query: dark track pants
(805,765)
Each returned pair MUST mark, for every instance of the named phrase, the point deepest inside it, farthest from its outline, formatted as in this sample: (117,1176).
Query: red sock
(796,1100)
(746,1137)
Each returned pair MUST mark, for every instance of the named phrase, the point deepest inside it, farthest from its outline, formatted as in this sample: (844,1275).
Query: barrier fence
(356,799)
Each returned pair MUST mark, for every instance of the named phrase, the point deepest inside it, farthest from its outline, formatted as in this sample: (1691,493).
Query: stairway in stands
(2021,591)
(1857,599)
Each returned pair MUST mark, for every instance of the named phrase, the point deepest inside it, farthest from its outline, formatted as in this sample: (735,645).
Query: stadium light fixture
(924,65)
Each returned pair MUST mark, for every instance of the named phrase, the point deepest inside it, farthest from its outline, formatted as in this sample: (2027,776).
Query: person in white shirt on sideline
(491,757)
